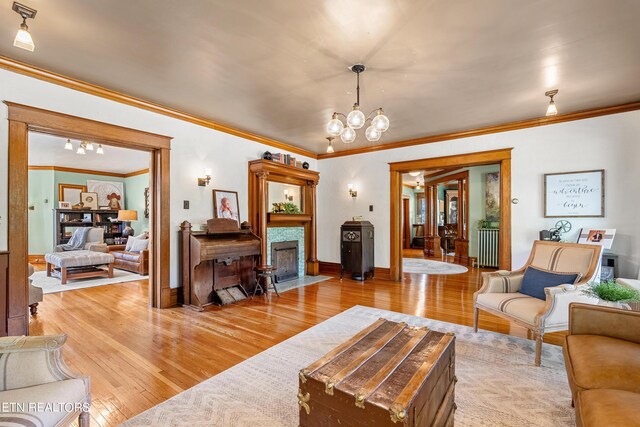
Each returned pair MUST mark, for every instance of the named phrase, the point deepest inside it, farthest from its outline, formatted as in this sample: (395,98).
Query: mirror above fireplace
(280,193)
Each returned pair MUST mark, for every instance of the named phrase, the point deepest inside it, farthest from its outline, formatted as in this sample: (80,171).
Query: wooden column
(462,242)
(262,215)
(432,240)
(437,249)
(18,291)
(313,266)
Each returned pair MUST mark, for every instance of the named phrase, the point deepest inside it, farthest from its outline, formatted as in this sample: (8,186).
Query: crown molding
(81,86)
(88,171)
(506,127)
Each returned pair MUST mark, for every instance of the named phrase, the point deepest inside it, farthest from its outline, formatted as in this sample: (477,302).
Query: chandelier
(84,147)
(356,118)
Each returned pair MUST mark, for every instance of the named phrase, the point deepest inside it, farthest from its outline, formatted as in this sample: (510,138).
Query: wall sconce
(287,196)
(352,192)
(203,182)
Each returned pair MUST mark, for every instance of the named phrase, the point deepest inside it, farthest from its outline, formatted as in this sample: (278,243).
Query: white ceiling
(279,68)
(47,150)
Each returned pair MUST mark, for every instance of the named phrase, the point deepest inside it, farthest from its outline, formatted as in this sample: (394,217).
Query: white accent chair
(499,292)
(95,241)
(32,375)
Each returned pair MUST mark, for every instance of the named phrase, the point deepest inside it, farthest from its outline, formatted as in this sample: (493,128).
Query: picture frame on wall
(574,194)
(226,205)
(89,200)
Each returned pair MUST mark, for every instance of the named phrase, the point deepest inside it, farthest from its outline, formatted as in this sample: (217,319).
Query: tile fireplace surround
(285,234)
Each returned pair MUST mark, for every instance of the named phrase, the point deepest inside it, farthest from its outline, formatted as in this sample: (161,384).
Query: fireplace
(284,255)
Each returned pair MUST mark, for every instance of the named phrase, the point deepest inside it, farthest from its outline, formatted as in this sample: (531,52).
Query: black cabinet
(356,249)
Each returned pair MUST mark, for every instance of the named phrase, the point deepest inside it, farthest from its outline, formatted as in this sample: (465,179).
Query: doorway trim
(22,120)
(396,169)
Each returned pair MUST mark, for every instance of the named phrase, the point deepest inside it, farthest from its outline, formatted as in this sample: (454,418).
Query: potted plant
(612,294)
(286,208)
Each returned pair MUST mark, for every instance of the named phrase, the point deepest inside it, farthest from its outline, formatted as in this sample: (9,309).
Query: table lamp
(127,216)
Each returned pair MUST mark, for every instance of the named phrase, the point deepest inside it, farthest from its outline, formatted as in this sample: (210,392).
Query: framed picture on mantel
(574,194)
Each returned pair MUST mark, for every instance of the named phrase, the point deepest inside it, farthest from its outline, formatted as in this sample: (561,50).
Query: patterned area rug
(51,285)
(427,266)
(498,383)
(300,282)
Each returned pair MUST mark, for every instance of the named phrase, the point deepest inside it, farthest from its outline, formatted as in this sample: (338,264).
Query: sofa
(135,262)
(602,358)
(37,387)
(128,258)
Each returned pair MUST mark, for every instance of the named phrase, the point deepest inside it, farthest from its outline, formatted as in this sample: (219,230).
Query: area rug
(300,282)
(498,384)
(51,285)
(427,266)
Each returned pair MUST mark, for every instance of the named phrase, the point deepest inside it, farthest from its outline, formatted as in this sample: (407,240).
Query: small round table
(265,272)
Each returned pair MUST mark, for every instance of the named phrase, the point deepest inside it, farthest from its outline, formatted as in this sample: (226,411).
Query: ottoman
(78,264)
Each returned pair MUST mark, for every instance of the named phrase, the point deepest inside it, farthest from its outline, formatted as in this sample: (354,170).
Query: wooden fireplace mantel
(261,172)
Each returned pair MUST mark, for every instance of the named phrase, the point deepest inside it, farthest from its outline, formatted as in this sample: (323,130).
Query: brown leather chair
(136,262)
(602,355)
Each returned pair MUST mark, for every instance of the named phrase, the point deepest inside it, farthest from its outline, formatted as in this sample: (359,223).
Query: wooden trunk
(389,374)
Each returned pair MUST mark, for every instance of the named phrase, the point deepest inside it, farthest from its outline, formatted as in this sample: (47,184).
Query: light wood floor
(138,357)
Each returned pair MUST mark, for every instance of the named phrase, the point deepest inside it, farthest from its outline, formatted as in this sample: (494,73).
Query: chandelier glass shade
(356,119)
(348,135)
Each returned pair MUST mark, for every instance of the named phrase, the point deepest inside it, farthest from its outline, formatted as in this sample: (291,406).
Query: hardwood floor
(138,357)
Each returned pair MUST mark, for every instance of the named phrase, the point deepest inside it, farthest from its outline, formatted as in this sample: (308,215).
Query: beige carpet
(427,266)
(498,383)
(51,285)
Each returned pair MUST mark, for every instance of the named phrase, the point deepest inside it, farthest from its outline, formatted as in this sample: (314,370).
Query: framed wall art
(226,205)
(597,236)
(89,200)
(574,194)
(110,193)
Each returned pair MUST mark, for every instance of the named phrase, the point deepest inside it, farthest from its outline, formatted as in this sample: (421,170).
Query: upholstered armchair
(33,375)
(499,292)
(95,241)
(35,293)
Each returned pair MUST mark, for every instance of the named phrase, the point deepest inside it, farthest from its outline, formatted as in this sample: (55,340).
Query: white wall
(608,142)
(193,149)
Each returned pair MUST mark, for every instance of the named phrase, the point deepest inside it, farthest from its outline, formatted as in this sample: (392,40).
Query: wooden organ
(218,264)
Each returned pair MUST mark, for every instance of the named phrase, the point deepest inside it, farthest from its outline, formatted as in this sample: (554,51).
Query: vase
(615,304)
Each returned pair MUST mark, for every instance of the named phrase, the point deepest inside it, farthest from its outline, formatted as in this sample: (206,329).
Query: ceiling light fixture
(23,39)
(356,118)
(414,173)
(418,185)
(330,147)
(84,147)
(552,110)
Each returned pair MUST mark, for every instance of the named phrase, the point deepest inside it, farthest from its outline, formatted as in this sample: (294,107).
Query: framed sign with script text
(574,194)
